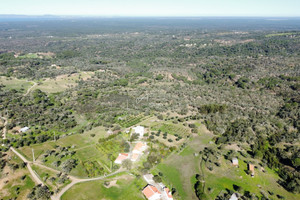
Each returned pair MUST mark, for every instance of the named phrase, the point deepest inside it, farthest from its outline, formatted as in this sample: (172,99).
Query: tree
(127,164)
(157,179)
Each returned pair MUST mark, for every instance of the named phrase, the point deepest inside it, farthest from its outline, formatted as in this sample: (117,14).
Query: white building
(149,178)
(235,161)
(24,129)
(139,130)
(234,197)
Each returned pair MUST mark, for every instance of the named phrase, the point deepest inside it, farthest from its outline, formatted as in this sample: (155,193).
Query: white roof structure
(24,129)
(234,197)
(235,161)
(139,130)
(149,178)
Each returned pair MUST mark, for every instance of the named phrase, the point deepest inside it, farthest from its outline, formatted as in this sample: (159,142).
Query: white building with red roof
(121,158)
(151,192)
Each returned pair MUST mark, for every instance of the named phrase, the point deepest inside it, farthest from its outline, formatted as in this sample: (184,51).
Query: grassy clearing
(63,82)
(280,34)
(13,83)
(225,176)
(126,188)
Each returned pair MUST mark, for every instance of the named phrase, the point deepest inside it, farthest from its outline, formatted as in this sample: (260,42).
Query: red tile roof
(139,146)
(150,190)
(122,156)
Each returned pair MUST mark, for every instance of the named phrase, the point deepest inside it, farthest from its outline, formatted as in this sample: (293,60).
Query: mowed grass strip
(172,176)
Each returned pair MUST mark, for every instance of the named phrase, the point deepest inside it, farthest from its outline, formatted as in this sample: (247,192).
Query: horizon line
(146,16)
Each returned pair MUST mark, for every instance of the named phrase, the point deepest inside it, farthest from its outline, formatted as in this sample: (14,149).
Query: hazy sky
(153,7)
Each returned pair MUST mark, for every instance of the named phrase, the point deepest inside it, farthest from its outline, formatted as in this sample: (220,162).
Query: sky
(258,8)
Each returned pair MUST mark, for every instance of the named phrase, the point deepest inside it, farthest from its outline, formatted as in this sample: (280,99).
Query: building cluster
(138,149)
(156,191)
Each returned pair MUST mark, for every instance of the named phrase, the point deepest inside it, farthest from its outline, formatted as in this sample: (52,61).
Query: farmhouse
(251,169)
(168,193)
(24,129)
(138,150)
(235,162)
(139,130)
(121,158)
(151,192)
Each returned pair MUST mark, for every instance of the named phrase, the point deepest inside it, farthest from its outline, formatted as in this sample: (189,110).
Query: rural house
(121,158)
(151,192)
(138,150)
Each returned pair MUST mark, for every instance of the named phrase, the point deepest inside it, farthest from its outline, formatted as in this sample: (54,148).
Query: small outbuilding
(251,169)
(235,162)
(24,129)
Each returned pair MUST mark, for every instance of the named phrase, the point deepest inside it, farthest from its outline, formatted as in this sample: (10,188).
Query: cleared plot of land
(63,82)
(40,55)
(126,188)
(14,83)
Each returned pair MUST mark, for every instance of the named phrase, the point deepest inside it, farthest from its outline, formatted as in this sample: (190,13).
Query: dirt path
(29,89)
(33,174)
(4,129)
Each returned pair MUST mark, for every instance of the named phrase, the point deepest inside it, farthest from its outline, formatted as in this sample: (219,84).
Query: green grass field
(126,188)
(179,170)
(13,83)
